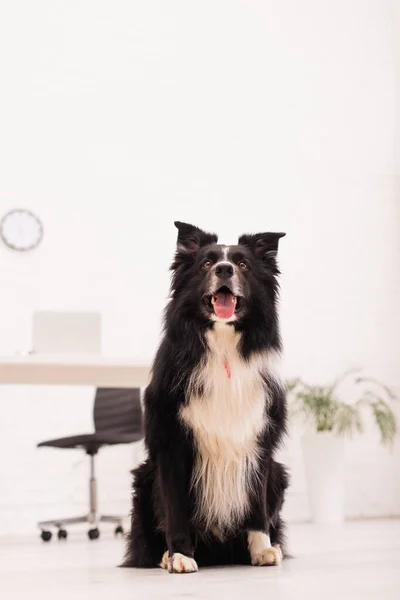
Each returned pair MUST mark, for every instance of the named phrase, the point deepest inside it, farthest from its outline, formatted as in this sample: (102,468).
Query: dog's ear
(191,238)
(264,246)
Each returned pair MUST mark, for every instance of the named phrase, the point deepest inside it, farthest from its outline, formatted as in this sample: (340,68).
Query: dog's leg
(278,482)
(144,542)
(262,552)
(174,489)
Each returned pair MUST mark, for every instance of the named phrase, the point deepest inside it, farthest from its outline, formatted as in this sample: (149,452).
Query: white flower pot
(324,466)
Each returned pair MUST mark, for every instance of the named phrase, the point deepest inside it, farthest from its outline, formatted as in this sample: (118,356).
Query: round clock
(21,230)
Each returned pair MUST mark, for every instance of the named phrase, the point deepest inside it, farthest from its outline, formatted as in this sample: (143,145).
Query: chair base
(93,518)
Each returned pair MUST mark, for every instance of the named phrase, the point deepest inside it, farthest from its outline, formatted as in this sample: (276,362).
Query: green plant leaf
(378,384)
(385,421)
(321,407)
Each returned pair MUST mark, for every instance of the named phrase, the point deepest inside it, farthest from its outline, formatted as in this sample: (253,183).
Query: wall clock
(21,230)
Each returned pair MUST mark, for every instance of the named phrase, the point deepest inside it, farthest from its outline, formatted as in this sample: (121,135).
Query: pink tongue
(224,305)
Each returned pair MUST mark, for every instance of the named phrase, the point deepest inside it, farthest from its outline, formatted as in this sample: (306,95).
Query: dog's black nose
(224,270)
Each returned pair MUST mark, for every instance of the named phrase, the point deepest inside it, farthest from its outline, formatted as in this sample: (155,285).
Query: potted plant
(329,421)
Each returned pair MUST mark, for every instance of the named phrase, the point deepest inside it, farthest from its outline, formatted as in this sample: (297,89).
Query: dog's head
(225,283)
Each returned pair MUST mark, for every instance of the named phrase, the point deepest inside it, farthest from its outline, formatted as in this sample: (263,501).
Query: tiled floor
(359,561)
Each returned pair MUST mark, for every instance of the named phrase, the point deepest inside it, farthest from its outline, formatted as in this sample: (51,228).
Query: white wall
(119,117)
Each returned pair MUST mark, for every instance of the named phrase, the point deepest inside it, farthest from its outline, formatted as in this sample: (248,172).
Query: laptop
(66,332)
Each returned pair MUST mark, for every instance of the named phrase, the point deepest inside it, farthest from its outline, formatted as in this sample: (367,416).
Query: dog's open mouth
(223,303)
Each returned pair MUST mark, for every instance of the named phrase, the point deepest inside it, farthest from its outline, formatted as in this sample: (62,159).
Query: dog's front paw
(267,556)
(179,563)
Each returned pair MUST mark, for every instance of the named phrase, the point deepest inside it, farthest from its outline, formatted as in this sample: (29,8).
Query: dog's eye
(242,265)
(207,264)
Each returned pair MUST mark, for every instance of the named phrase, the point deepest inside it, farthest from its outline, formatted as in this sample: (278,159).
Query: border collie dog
(210,491)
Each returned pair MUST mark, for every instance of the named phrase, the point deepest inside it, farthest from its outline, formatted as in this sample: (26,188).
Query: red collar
(228,370)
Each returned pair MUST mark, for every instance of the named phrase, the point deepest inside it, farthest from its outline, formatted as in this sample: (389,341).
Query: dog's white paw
(179,563)
(164,560)
(267,556)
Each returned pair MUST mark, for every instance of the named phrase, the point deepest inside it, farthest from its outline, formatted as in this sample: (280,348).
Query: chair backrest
(118,409)
(66,332)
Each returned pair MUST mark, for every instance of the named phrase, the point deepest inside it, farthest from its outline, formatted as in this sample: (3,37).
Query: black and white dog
(210,491)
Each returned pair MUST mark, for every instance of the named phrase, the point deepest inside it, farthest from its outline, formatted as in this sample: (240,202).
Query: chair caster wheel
(93,533)
(119,530)
(46,535)
(62,534)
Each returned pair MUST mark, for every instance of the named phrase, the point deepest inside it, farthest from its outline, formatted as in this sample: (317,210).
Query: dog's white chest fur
(226,413)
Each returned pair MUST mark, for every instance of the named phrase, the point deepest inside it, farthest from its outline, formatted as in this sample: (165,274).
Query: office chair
(117,416)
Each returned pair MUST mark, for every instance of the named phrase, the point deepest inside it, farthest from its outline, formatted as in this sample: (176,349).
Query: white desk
(59,369)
